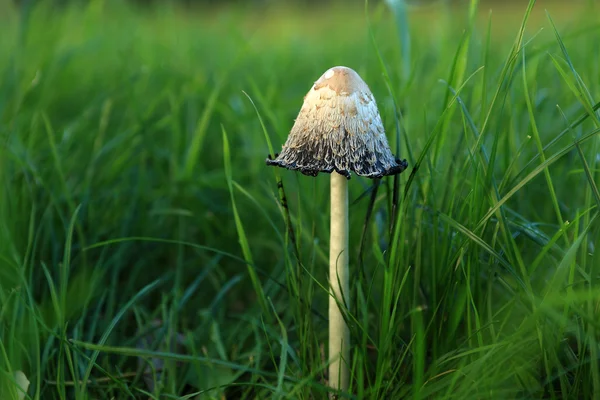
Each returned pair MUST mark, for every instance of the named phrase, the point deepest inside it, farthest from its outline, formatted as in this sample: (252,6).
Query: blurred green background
(144,252)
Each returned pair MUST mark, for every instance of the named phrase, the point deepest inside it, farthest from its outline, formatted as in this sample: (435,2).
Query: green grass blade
(242,238)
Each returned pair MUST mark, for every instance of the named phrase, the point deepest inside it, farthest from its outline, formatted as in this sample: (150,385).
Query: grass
(146,252)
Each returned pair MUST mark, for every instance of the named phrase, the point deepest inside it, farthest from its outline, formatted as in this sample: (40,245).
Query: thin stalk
(339,334)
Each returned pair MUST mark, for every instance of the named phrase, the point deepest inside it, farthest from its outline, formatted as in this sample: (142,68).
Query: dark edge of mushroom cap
(399,167)
(339,129)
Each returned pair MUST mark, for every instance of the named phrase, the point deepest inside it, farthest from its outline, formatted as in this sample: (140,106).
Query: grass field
(144,251)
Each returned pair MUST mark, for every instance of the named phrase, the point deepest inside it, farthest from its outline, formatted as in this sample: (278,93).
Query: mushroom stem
(339,334)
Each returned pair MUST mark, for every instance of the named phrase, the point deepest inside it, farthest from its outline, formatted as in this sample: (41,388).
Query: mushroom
(339,131)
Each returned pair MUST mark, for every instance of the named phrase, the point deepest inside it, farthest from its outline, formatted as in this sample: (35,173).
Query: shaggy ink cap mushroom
(339,129)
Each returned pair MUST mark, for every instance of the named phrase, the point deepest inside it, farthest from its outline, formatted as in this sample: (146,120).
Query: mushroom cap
(339,129)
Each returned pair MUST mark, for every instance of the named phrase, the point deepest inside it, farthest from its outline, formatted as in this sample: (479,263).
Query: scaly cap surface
(339,129)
